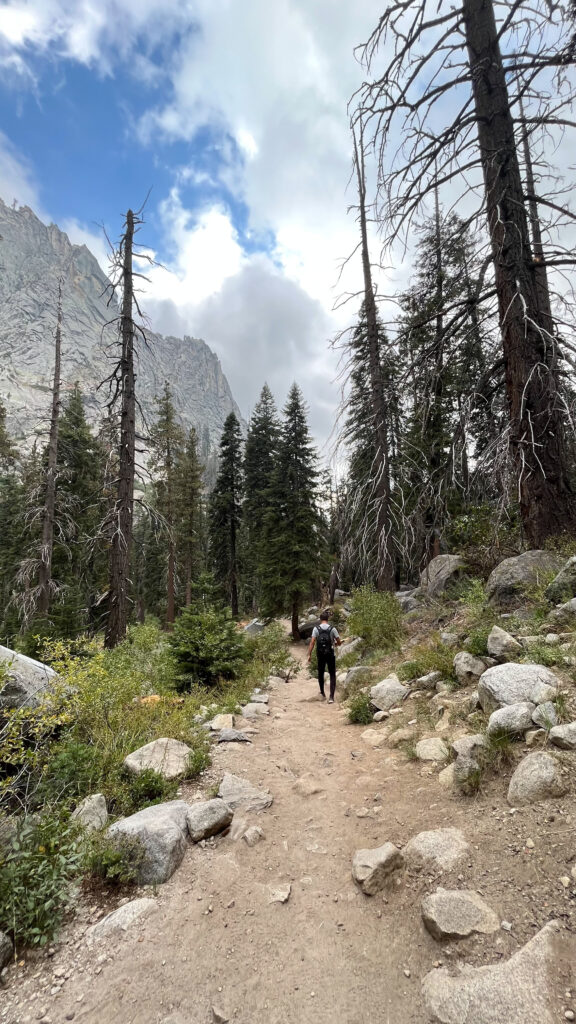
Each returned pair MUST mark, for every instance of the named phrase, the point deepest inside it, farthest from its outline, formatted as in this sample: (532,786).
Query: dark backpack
(324,641)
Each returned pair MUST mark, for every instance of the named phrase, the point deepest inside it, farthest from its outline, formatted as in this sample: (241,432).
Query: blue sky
(234,113)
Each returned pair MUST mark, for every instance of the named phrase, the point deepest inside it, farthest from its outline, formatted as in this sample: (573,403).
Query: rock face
(510,580)
(121,919)
(170,758)
(371,869)
(442,848)
(537,777)
(389,693)
(6,950)
(162,832)
(455,914)
(563,586)
(27,679)
(564,736)
(237,792)
(440,573)
(92,813)
(468,669)
(34,259)
(207,818)
(502,644)
(514,684)
(514,992)
(512,720)
(432,750)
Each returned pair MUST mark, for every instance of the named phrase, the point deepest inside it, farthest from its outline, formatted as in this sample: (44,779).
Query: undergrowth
(377,618)
(360,709)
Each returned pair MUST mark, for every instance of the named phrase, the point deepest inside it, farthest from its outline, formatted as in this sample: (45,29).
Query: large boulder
(92,812)
(349,646)
(511,720)
(456,913)
(371,869)
(537,777)
(307,627)
(239,793)
(509,582)
(564,736)
(26,680)
(255,627)
(410,601)
(563,586)
(514,683)
(502,644)
(167,757)
(389,693)
(121,919)
(440,573)
(441,849)
(514,992)
(162,832)
(208,818)
(467,668)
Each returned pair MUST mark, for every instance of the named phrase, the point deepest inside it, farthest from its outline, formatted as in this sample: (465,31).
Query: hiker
(325,636)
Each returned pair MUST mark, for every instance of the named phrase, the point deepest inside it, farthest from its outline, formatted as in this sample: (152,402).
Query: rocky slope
(33,258)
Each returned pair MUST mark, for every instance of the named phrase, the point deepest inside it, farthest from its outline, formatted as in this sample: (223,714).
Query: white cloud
(17,178)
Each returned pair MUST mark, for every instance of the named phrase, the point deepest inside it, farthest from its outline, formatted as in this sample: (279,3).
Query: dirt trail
(330,955)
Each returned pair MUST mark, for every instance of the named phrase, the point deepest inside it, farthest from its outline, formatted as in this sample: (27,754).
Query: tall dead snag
(380,416)
(44,591)
(123,509)
(443,111)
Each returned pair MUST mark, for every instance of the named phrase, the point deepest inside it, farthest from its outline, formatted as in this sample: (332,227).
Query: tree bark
(537,422)
(123,512)
(385,568)
(45,568)
(295,616)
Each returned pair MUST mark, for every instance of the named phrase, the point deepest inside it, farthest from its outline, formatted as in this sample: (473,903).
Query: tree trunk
(295,617)
(188,583)
(170,588)
(45,568)
(385,568)
(433,424)
(537,423)
(233,569)
(123,512)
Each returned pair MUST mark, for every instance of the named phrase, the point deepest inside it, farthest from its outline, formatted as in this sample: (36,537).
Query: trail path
(330,955)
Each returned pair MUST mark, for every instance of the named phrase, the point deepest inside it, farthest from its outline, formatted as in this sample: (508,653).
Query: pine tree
(189,514)
(166,445)
(225,512)
(11,528)
(291,545)
(260,455)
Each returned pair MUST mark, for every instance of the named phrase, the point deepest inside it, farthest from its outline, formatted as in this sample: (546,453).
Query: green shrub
(376,617)
(36,869)
(144,789)
(116,860)
(477,641)
(72,770)
(542,654)
(428,658)
(359,709)
(207,646)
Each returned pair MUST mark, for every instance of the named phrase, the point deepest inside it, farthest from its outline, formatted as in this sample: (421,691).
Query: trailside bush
(36,869)
(359,709)
(376,617)
(207,647)
(116,860)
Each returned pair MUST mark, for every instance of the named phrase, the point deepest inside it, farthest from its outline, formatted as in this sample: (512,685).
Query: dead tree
(123,378)
(443,111)
(44,590)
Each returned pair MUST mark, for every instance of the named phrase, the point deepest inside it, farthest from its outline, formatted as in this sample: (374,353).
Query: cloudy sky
(234,113)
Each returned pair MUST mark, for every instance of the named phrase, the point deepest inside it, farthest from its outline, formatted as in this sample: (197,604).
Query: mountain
(33,259)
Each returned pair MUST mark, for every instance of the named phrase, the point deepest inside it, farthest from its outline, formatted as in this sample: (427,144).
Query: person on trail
(325,637)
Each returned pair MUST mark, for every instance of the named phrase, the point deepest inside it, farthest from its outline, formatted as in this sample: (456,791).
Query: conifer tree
(260,455)
(11,528)
(225,512)
(189,513)
(166,443)
(291,544)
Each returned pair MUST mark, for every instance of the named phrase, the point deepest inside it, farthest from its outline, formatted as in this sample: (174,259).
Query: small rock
(373,737)
(512,720)
(432,750)
(564,736)
(240,793)
(537,777)
(253,835)
(469,745)
(371,869)
(467,773)
(207,818)
(218,1017)
(446,777)
(233,736)
(529,844)
(502,644)
(281,894)
(404,735)
(442,848)
(468,669)
(380,716)
(388,693)
(92,812)
(122,919)
(455,914)
(222,722)
(167,757)
(506,926)
(533,736)
(545,716)
(259,698)
(428,682)
(254,710)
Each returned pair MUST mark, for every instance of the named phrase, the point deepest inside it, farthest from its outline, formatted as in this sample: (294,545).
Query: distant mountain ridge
(33,258)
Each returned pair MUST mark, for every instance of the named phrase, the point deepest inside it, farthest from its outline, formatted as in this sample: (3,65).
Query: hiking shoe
(322,696)
(331,701)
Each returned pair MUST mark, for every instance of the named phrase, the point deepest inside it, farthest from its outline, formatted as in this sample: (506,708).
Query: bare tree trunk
(434,420)
(295,630)
(385,568)
(537,426)
(332,584)
(45,567)
(123,512)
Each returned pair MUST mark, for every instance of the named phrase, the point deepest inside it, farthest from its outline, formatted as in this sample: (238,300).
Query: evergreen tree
(167,441)
(189,514)
(291,545)
(225,512)
(11,529)
(260,455)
